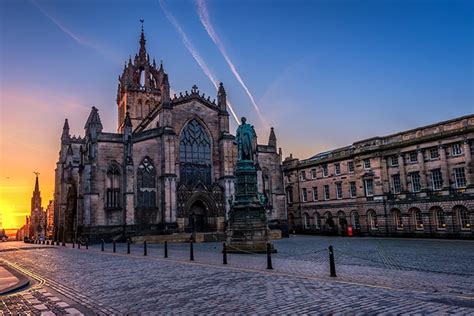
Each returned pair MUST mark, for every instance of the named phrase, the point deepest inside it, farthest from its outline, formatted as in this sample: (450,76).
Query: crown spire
(142,51)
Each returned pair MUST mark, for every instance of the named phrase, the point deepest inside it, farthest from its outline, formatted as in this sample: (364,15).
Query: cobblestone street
(373,276)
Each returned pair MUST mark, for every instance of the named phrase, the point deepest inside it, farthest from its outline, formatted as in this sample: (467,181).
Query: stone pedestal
(247,231)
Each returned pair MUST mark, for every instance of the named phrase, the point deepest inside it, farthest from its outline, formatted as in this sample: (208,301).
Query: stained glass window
(195,154)
(146,184)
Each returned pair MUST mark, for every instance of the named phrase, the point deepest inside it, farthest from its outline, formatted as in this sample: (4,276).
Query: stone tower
(141,87)
(36,198)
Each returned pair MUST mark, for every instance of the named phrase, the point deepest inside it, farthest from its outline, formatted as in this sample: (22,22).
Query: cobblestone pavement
(298,284)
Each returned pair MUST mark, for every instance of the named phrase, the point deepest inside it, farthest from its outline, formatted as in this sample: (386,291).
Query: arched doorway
(197,217)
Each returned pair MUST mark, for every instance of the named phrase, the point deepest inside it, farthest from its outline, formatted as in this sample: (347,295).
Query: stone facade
(169,167)
(414,183)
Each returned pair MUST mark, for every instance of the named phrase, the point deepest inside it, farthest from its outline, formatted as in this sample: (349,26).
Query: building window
(146,184)
(325,170)
(302,175)
(315,193)
(396,185)
(353,189)
(317,220)
(434,153)
(195,154)
(463,217)
(413,156)
(415,181)
(440,219)
(326,192)
(339,190)
(306,221)
(456,149)
(304,194)
(289,193)
(313,173)
(366,164)
(417,219)
(436,179)
(372,220)
(355,219)
(350,167)
(459,178)
(397,219)
(393,161)
(112,198)
(337,169)
(369,187)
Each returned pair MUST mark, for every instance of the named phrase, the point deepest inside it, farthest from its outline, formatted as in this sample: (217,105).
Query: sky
(323,73)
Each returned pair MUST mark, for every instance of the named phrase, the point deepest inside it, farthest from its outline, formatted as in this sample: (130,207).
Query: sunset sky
(323,73)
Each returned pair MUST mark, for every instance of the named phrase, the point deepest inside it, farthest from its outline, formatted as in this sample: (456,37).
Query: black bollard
(332,264)
(191,251)
(114,248)
(166,249)
(145,251)
(128,246)
(64,243)
(102,246)
(78,245)
(224,254)
(57,242)
(87,245)
(269,256)
(73,245)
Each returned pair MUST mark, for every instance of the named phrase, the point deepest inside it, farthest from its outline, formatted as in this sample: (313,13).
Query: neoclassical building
(414,183)
(168,168)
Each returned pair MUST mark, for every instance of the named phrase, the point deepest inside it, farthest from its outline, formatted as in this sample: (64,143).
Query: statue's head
(243,120)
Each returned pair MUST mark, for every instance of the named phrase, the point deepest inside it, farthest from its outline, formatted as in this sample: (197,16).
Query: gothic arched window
(112,198)
(146,184)
(195,154)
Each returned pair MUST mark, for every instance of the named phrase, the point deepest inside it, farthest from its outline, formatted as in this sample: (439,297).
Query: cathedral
(168,168)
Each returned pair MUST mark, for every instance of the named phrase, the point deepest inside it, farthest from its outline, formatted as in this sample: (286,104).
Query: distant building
(169,167)
(37,219)
(414,183)
(50,219)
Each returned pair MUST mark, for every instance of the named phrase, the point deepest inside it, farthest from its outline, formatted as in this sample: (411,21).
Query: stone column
(421,163)
(469,164)
(444,166)
(401,168)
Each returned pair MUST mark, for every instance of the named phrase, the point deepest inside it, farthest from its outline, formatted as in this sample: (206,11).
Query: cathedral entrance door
(197,219)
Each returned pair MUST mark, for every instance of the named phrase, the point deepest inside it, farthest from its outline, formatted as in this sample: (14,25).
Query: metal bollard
(332,264)
(191,251)
(224,254)
(87,245)
(64,243)
(166,249)
(128,246)
(78,245)
(145,251)
(102,246)
(73,245)
(57,242)
(114,248)
(269,256)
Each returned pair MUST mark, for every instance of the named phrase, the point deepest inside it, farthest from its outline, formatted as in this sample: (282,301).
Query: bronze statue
(245,140)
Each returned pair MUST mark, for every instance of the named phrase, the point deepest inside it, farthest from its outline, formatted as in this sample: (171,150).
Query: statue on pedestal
(247,229)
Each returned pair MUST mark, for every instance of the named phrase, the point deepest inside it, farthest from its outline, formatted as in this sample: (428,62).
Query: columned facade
(413,183)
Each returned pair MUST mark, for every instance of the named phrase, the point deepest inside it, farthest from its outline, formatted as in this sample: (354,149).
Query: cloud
(75,37)
(206,22)
(194,52)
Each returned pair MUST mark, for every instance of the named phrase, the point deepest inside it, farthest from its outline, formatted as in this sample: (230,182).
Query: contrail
(194,52)
(206,22)
(71,34)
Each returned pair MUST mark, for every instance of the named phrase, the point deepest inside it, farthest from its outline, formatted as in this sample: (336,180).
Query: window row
(326,193)
(350,168)
(438,218)
(431,153)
